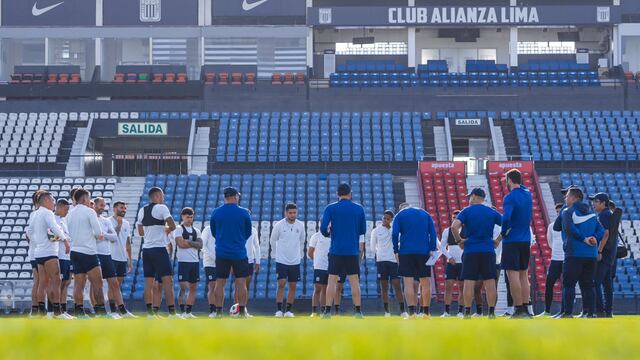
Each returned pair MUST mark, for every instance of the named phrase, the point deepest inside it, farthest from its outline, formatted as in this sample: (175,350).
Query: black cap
(602,197)
(570,187)
(477,192)
(344,189)
(230,191)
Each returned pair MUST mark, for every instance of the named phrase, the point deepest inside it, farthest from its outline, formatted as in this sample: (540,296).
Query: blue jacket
(348,223)
(414,232)
(578,223)
(516,220)
(231,227)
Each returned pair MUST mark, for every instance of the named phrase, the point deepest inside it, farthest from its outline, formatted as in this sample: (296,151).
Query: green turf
(305,338)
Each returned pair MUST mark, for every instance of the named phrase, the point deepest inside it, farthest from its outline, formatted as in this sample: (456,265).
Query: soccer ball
(234,311)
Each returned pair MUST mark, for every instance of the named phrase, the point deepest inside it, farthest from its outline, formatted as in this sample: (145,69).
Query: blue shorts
(344,265)
(83,263)
(453,271)
(34,264)
(387,270)
(121,268)
(189,272)
(321,277)
(414,265)
(210,274)
(224,266)
(250,271)
(289,272)
(479,266)
(156,261)
(515,256)
(65,269)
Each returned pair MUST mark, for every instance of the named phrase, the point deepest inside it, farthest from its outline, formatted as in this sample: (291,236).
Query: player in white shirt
(386,262)
(287,241)
(121,249)
(46,235)
(253,257)
(116,301)
(155,224)
(209,263)
(86,232)
(453,270)
(555,267)
(35,310)
(188,244)
(318,251)
(62,209)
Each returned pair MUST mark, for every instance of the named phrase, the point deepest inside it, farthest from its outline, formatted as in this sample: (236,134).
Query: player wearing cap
(287,241)
(344,221)
(231,226)
(62,209)
(121,249)
(155,224)
(386,262)
(479,257)
(555,267)
(188,243)
(85,232)
(46,235)
(414,240)
(209,263)
(581,232)
(453,270)
(516,234)
(606,254)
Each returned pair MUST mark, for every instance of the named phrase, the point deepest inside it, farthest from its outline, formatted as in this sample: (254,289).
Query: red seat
(276,79)
(210,78)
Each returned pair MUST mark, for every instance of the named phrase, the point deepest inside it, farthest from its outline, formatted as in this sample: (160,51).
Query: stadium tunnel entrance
(471,141)
(137,147)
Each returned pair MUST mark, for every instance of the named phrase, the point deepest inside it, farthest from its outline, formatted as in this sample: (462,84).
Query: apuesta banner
(459,16)
(442,166)
(496,167)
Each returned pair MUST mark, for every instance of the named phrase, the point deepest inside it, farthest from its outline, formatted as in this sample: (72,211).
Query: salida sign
(142,129)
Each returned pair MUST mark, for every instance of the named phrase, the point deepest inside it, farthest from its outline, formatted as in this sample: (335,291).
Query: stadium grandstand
(407,101)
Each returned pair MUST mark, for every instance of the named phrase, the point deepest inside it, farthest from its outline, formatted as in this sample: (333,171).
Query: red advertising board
(494,167)
(442,166)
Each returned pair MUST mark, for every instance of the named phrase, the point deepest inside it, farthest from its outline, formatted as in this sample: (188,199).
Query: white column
(207,12)
(411,47)
(201,50)
(310,40)
(513,46)
(616,47)
(201,12)
(150,51)
(98,51)
(99,16)
(46,51)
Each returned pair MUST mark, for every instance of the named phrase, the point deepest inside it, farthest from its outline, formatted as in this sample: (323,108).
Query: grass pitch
(305,338)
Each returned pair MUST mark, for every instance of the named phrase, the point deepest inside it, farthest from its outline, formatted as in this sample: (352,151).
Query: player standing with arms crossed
(453,270)
(62,209)
(188,243)
(121,249)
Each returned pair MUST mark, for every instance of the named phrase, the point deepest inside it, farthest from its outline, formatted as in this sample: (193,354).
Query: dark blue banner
(150,12)
(48,13)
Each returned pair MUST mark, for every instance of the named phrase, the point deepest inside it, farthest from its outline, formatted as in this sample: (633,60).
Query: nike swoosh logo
(37,12)
(580,219)
(246,6)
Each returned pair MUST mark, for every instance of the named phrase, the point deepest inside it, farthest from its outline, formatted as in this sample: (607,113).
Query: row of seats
(49,79)
(288,79)
(37,140)
(579,138)
(320,137)
(553,65)
(34,118)
(266,194)
(371,66)
(455,82)
(596,114)
(16,205)
(156,78)
(236,78)
(623,188)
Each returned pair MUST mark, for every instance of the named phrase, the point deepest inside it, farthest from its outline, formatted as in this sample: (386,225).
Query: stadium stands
(15,207)
(578,135)
(42,138)
(623,190)
(265,195)
(293,137)
(443,190)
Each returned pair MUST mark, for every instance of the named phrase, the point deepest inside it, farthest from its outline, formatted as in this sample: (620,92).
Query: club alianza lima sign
(464,15)
(142,129)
